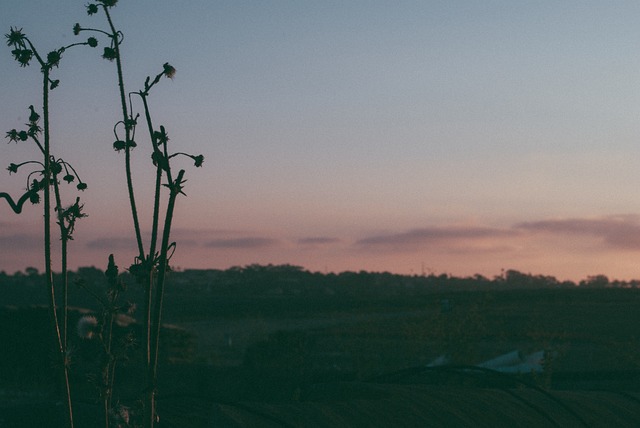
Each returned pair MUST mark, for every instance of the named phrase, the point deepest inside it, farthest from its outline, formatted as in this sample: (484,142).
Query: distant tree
(595,281)
(31,271)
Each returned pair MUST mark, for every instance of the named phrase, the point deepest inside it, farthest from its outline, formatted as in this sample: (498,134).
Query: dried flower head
(53,58)
(56,168)
(33,116)
(81,186)
(168,70)
(69,178)
(23,56)
(92,41)
(87,327)
(12,135)
(119,145)
(109,53)
(12,168)
(34,129)
(34,197)
(70,215)
(16,38)
(37,185)
(92,9)
(161,136)
(198,160)
(160,160)
(76,29)
(131,122)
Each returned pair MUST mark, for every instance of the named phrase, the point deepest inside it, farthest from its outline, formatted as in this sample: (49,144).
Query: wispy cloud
(188,233)
(434,235)
(21,241)
(242,243)
(188,238)
(622,231)
(318,240)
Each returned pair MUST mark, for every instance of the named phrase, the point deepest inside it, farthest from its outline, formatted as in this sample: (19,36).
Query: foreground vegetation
(45,174)
(266,333)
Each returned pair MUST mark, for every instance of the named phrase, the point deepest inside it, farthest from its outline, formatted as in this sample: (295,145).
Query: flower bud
(119,145)
(92,9)
(56,168)
(34,197)
(109,53)
(12,135)
(168,70)
(53,58)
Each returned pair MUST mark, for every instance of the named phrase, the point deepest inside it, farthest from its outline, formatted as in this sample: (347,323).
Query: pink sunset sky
(456,137)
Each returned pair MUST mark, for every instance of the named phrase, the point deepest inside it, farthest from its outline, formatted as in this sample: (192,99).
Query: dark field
(284,347)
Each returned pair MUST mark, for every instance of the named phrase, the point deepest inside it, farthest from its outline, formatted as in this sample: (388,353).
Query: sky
(456,137)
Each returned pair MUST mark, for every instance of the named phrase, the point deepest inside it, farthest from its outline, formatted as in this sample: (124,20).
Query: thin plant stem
(147,262)
(156,204)
(150,268)
(47,248)
(162,271)
(154,230)
(110,375)
(64,239)
(107,375)
(147,320)
(125,116)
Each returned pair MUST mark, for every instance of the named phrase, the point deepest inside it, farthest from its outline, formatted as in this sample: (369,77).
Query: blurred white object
(516,362)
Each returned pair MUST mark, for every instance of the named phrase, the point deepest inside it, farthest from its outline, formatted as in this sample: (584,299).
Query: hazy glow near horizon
(461,137)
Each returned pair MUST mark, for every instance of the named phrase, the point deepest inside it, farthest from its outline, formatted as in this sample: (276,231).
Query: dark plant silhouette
(152,262)
(110,350)
(44,177)
(150,267)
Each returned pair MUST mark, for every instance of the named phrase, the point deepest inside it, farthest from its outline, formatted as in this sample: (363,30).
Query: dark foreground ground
(288,355)
(445,397)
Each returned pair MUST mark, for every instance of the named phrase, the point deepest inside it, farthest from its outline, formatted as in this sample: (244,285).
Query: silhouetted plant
(101,329)
(152,263)
(42,179)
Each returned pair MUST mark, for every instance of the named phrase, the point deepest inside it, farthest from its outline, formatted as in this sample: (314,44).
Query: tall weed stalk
(45,177)
(151,265)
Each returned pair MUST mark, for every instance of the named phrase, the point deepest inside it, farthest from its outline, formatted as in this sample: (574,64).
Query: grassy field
(276,345)
(585,330)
